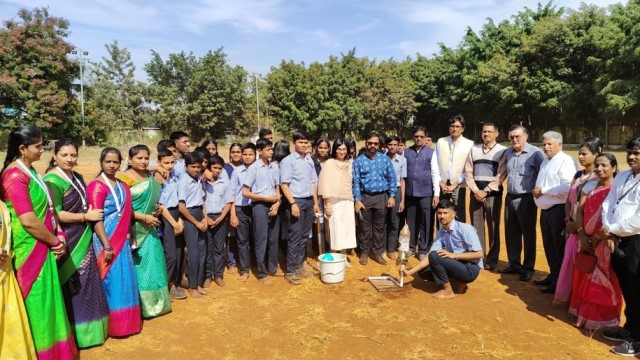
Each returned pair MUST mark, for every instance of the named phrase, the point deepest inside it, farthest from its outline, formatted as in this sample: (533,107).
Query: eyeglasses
(455,126)
(372,143)
(419,136)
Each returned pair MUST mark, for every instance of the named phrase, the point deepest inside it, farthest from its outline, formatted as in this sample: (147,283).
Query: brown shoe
(219,281)
(391,255)
(380,260)
(177,294)
(364,259)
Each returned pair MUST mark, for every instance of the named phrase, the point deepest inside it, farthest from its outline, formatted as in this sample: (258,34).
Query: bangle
(61,233)
(56,244)
(84,217)
(293,203)
(108,248)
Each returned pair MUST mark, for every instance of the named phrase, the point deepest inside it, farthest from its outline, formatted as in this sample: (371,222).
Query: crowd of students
(103,256)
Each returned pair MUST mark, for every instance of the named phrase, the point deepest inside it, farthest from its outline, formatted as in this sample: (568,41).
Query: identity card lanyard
(113,193)
(628,190)
(79,190)
(40,181)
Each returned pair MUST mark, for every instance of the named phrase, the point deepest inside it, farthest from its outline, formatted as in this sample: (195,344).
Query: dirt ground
(499,317)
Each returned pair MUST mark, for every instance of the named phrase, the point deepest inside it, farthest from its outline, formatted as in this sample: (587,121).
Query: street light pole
(255,76)
(79,55)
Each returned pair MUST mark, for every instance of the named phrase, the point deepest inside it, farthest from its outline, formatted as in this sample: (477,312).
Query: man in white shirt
(621,220)
(550,194)
(452,152)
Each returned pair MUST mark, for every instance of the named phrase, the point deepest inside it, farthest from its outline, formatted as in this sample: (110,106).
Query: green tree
(35,72)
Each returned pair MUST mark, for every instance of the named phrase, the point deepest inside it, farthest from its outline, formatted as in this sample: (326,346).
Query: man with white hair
(550,194)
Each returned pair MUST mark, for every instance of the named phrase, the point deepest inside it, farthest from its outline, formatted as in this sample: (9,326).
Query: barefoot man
(455,256)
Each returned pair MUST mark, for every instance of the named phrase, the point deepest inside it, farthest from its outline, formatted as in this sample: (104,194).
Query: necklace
(40,181)
(82,192)
(116,199)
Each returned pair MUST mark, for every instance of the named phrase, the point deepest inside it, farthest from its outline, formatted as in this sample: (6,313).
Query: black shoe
(509,270)
(627,348)
(544,282)
(525,276)
(617,334)
(364,259)
(551,289)
(489,267)
(380,260)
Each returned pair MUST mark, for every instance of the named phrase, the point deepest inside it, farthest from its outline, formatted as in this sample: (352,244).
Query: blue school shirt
(299,173)
(190,190)
(237,179)
(179,167)
(169,194)
(460,238)
(399,163)
(217,195)
(262,179)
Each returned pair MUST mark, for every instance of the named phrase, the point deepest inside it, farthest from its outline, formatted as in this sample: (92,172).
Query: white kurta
(342,225)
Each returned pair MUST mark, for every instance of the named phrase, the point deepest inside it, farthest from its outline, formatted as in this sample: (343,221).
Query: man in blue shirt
(298,183)
(456,254)
(374,190)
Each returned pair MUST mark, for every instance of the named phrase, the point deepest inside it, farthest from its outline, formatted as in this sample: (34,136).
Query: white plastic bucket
(332,271)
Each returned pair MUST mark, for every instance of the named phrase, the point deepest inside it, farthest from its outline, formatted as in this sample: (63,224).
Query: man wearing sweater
(486,203)
(452,152)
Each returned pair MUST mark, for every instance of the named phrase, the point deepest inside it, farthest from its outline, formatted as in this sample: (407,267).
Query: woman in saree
(82,288)
(37,242)
(15,334)
(112,245)
(584,179)
(596,298)
(149,260)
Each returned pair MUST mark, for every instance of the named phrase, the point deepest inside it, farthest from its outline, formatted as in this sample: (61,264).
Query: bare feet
(444,294)
(244,277)
(195,294)
(207,283)
(202,291)
(219,281)
(265,280)
(233,270)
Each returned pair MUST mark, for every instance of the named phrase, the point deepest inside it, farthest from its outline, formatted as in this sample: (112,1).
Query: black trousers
(299,230)
(173,248)
(373,224)
(553,240)
(243,234)
(459,199)
(419,218)
(392,228)
(196,249)
(489,213)
(267,229)
(216,237)
(520,217)
(441,269)
(627,268)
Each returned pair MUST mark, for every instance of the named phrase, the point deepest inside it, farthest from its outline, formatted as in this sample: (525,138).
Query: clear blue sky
(258,34)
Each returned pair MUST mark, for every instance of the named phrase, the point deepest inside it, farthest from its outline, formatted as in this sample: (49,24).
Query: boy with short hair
(262,187)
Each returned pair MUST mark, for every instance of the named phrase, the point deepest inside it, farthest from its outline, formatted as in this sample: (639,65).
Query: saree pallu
(564,286)
(149,260)
(36,269)
(596,298)
(82,288)
(15,334)
(118,276)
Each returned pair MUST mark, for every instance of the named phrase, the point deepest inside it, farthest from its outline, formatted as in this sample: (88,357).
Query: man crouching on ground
(456,254)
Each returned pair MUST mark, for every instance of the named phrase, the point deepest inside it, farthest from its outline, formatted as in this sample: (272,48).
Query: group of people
(107,254)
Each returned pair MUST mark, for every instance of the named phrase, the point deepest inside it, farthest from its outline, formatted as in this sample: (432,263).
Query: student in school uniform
(172,225)
(241,217)
(235,161)
(262,187)
(191,207)
(182,145)
(299,181)
(218,204)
